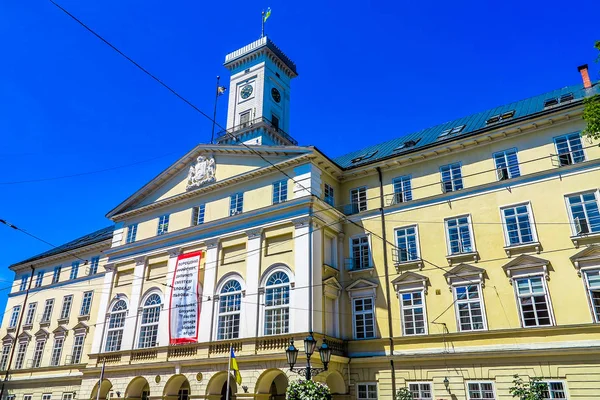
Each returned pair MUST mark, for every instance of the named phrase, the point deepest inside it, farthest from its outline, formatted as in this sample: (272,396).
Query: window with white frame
(66,307)
(29,318)
(38,353)
(518,225)
(592,282)
(47,314)
(402,189)
(277,301)
(163,224)
(67,396)
(507,164)
(407,244)
(77,349)
(47,396)
(23,284)
(534,303)
(361,252)
(569,149)
(480,390)
(413,313)
(328,195)
(39,279)
(358,199)
(86,303)
(451,177)
(236,203)
(74,270)
(280,191)
(459,235)
(21,351)
(5,354)
(366,391)
(583,210)
(27,397)
(363,310)
(554,390)
(14,318)
(56,275)
(94,262)
(469,307)
(149,323)
(57,350)
(11,397)
(131,233)
(198,214)
(421,390)
(116,324)
(230,301)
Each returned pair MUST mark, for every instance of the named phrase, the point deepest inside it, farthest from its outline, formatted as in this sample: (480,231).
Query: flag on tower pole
(265,17)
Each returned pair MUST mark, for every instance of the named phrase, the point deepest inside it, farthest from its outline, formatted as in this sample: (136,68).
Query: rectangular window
(279,191)
(244,119)
(592,281)
(198,215)
(14,318)
(27,397)
(583,209)
(366,391)
(358,199)
(406,242)
(275,121)
(38,353)
(361,253)
(23,284)
(131,233)
(480,390)
(77,349)
(47,396)
(451,177)
(57,351)
(21,350)
(364,318)
(236,203)
(554,390)
(67,396)
(469,307)
(163,225)
(533,301)
(66,307)
(47,311)
(328,195)
(74,270)
(94,265)
(4,358)
(402,190)
(413,313)
(86,303)
(29,318)
(56,275)
(39,279)
(569,149)
(459,235)
(421,390)
(507,164)
(517,225)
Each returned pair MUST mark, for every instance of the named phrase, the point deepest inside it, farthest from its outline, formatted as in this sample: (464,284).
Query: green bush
(307,390)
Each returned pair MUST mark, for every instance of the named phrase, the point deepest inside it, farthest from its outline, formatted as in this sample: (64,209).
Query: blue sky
(369,72)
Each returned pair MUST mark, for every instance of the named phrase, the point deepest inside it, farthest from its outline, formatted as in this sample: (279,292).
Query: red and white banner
(184,313)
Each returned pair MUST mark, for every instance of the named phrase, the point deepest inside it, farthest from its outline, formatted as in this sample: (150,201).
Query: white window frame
(163,225)
(351,244)
(47,396)
(39,279)
(564,388)
(479,382)
(358,205)
(56,274)
(452,179)
(329,194)
(546,294)
(509,173)
(48,310)
(30,316)
(402,195)
(38,353)
(571,151)
(120,315)
(430,383)
(14,316)
(227,318)
(6,347)
(532,225)
(198,214)
(367,384)
(77,351)
(413,307)
(23,285)
(280,191)
(588,289)
(418,249)
(152,327)
(354,315)
(471,235)
(131,233)
(86,303)
(457,302)
(67,396)
(27,397)
(570,213)
(67,304)
(57,349)
(284,307)
(74,270)
(94,264)
(20,354)
(236,203)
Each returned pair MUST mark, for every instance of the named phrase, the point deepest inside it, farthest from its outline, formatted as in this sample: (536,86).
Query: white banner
(184,313)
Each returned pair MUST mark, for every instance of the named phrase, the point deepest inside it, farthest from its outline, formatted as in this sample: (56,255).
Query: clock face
(246,91)
(276,95)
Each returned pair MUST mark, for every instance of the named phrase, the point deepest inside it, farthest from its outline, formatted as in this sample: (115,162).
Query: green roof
(473,124)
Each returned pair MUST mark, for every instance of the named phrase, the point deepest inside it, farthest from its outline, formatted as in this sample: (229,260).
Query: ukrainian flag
(236,368)
(267,14)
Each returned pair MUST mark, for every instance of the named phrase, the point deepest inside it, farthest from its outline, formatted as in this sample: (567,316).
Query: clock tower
(259,95)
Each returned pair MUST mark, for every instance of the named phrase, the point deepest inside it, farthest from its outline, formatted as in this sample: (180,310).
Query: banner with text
(184,313)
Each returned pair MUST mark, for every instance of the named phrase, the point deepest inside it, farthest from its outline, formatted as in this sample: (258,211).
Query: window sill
(522,248)
(585,239)
(63,321)
(331,269)
(453,258)
(44,323)
(408,264)
(83,317)
(27,327)
(370,270)
(11,329)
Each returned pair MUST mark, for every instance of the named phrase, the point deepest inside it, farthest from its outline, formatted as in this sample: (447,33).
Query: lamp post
(309,348)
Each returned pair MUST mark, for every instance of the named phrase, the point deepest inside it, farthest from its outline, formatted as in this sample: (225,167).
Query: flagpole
(212,136)
(228,374)
(262,19)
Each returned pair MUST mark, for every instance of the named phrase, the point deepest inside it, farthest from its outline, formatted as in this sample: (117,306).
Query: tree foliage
(307,390)
(404,394)
(591,111)
(532,390)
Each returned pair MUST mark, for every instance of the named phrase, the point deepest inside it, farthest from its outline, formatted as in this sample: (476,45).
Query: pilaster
(208,291)
(308,181)
(249,329)
(131,323)
(103,306)
(163,327)
(300,298)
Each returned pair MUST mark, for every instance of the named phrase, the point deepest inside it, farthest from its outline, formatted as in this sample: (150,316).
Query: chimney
(585,76)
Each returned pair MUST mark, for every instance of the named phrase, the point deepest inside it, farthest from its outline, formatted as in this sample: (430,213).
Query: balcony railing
(568,158)
(256,123)
(357,264)
(400,256)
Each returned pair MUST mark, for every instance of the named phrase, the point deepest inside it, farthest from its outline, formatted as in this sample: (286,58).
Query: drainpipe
(387,278)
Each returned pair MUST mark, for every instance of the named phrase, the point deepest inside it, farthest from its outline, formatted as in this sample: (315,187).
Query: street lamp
(309,348)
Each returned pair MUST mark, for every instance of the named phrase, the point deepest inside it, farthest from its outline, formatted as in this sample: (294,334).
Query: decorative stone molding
(110,267)
(201,173)
(174,252)
(525,265)
(512,250)
(586,258)
(453,258)
(254,233)
(362,288)
(410,281)
(465,273)
(301,222)
(332,288)
(211,244)
(140,260)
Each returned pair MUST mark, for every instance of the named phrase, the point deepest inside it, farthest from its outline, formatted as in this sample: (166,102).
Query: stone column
(102,307)
(163,327)
(316,241)
(131,323)
(208,291)
(301,293)
(250,303)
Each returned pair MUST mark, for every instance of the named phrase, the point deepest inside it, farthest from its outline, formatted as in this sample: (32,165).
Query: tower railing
(250,125)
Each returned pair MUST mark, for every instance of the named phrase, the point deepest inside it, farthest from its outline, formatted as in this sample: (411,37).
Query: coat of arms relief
(201,173)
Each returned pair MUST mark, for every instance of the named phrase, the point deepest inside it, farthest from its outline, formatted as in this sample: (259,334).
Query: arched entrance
(138,388)
(217,387)
(177,388)
(104,389)
(335,382)
(271,385)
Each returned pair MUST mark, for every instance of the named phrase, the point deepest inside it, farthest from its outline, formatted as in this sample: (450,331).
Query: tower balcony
(243,130)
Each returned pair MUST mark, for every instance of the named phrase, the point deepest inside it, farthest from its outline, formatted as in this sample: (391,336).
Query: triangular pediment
(588,254)
(410,280)
(361,284)
(42,333)
(463,272)
(207,168)
(333,282)
(80,327)
(24,336)
(60,331)
(8,338)
(526,263)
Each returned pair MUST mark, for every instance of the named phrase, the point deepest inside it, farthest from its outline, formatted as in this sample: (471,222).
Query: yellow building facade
(445,261)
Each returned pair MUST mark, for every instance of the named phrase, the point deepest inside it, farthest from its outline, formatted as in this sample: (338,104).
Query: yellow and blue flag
(236,368)
(267,14)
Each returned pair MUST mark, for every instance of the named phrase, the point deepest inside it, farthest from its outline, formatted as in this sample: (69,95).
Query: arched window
(277,301)
(230,300)
(116,322)
(149,322)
